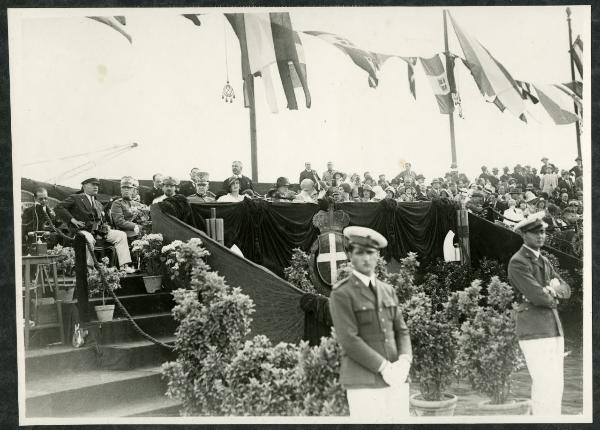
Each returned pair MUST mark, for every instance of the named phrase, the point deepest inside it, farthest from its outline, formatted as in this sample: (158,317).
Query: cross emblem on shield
(331,256)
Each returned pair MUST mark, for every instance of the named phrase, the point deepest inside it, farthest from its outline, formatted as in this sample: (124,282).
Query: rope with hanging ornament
(228,93)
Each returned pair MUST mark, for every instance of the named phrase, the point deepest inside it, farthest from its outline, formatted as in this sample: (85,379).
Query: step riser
(110,358)
(137,305)
(95,397)
(171,411)
(123,330)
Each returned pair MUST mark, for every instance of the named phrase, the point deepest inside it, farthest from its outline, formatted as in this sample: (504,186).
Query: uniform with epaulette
(375,341)
(122,210)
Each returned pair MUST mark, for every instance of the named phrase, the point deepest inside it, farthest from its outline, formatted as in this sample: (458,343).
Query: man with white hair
(245,182)
(307,194)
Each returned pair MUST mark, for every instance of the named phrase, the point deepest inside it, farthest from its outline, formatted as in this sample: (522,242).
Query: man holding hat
(84,213)
(375,341)
(169,186)
(123,209)
(539,328)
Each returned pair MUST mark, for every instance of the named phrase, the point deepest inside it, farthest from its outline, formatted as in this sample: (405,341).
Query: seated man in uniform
(84,213)
(375,341)
(123,209)
(202,194)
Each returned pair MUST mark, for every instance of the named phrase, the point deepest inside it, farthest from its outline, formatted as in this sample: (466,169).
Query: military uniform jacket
(536,316)
(122,215)
(368,330)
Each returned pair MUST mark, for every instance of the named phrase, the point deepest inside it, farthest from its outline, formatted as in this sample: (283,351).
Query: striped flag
(527,91)
(556,103)
(436,73)
(491,77)
(116,23)
(577,54)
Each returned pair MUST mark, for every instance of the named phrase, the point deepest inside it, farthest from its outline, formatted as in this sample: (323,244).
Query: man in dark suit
(156,190)
(84,213)
(39,216)
(375,341)
(187,188)
(309,173)
(245,182)
(539,328)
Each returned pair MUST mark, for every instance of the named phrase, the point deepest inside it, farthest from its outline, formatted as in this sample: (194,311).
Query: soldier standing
(375,341)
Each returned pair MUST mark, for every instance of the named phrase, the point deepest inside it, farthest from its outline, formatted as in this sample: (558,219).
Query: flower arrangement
(148,249)
(103,279)
(297,273)
(66,259)
(141,216)
(181,257)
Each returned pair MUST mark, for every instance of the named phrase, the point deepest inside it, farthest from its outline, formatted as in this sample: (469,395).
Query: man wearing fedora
(539,328)
(375,341)
(84,213)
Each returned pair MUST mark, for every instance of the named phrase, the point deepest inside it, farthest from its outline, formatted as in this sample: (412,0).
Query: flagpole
(577,131)
(253,146)
(454,164)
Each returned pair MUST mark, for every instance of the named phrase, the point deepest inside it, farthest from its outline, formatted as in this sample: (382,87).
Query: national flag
(290,58)
(369,61)
(411,62)
(116,23)
(194,17)
(436,73)
(527,91)
(570,89)
(577,54)
(491,77)
(556,103)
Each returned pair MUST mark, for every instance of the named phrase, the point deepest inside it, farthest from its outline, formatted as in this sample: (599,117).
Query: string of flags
(269,46)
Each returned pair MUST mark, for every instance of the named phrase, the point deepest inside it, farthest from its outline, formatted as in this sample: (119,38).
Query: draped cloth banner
(267,232)
(277,303)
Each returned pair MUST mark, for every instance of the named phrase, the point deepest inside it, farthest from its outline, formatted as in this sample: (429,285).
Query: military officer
(539,328)
(375,341)
(202,194)
(124,209)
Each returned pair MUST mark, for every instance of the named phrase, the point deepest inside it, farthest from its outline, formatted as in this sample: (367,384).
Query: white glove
(402,367)
(554,283)
(136,229)
(392,375)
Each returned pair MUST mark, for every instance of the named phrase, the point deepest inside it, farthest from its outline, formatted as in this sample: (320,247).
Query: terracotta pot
(512,407)
(152,283)
(104,312)
(435,408)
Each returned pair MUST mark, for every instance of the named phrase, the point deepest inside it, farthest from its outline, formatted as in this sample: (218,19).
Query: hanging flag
(194,17)
(290,58)
(571,90)
(436,73)
(527,91)
(556,103)
(411,62)
(492,79)
(116,23)
(577,54)
(370,62)
(236,20)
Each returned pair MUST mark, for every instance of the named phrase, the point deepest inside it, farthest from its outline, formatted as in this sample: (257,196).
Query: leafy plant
(433,344)
(103,279)
(180,258)
(489,351)
(148,250)
(297,273)
(65,262)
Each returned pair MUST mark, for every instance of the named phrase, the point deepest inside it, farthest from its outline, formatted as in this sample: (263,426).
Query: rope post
(463,235)
(215,227)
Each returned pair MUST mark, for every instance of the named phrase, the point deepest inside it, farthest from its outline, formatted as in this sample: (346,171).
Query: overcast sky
(79,86)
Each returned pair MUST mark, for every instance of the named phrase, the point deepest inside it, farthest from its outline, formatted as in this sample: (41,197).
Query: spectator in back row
(245,182)
(169,187)
(309,173)
(156,190)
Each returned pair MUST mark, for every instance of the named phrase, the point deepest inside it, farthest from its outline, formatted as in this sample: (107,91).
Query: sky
(78,86)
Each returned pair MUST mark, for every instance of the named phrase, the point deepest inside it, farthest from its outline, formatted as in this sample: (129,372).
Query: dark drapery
(277,303)
(268,232)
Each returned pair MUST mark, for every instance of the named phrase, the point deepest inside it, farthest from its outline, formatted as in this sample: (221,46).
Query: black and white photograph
(316,215)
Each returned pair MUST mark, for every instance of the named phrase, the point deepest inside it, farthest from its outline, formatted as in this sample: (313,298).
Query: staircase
(118,377)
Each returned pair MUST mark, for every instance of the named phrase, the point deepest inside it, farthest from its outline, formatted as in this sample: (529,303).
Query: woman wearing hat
(512,215)
(390,193)
(233,196)
(281,192)
(379,194)
(366,193)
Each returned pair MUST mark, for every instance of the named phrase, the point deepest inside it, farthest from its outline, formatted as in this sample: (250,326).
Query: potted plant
(148,250)
(434,356)
(101,281)
(179,260)
(489,351)
(65,264)
(141,216)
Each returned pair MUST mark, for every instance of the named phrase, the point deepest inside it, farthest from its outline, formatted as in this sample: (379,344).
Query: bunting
(117,23)
(438,79)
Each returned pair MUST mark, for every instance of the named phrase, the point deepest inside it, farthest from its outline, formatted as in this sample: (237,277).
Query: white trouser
(389,404)
(545,358)
(118,238)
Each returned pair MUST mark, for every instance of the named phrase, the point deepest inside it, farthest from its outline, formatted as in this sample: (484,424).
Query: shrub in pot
(148,251)
(434,356)
(65,263)
(101,281)
(489,351)
(180,258)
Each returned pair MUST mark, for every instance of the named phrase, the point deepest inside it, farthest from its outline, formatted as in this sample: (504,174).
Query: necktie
(373,290)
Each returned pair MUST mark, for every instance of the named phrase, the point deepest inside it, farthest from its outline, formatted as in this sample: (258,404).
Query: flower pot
(152,283)
(511,407)
(104,312)
(435,408)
